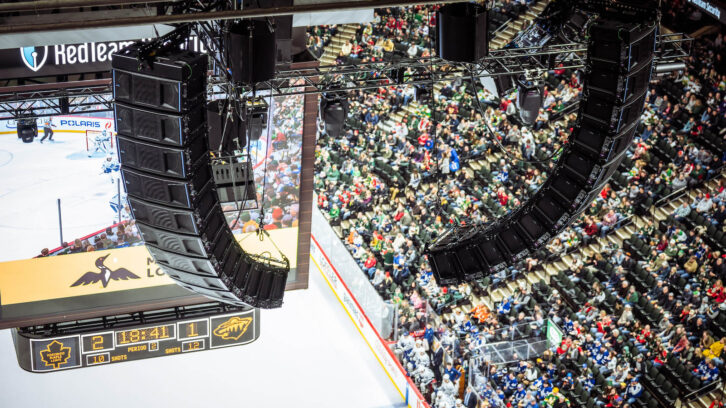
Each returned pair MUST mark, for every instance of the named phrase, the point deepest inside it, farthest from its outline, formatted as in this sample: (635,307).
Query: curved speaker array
(620,61)
(163,148)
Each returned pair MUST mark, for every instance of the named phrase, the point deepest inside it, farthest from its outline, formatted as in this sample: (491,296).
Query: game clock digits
(48,354)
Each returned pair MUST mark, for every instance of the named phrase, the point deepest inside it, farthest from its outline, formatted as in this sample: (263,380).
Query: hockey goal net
(95,136)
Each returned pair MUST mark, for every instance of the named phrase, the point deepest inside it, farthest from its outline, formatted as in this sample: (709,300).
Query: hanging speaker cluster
(620,62)
(461,32)
(251,51)
(165,164)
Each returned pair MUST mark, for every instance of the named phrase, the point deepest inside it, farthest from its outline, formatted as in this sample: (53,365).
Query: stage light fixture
(27,129)
(530,94)
(333,111)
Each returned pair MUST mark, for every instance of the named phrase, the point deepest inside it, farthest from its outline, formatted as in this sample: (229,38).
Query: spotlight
(27,129)
(529,99)
(333,111)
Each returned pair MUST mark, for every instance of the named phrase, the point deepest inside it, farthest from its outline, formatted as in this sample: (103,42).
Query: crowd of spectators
(401,174)
(277,170)
(121,235)
(319,37)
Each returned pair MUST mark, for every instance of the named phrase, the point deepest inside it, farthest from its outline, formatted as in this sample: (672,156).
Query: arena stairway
(503,36)
(330,53)
(704,401)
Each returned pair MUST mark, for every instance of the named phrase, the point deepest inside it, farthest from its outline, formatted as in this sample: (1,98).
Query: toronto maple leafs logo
(34,57)
(55,355)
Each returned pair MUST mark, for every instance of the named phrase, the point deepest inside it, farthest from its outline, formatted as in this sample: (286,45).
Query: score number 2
(97,342)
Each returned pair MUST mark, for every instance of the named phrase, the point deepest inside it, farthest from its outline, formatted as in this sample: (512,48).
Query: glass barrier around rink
(511,333)
(382,315)
(503,353)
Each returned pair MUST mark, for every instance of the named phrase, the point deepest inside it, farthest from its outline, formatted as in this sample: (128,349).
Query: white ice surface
(309,355)
(33,176)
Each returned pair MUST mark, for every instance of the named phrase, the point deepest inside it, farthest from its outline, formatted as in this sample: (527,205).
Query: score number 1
(190,330)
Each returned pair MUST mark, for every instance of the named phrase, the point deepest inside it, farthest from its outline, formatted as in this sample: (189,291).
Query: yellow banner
(90,273)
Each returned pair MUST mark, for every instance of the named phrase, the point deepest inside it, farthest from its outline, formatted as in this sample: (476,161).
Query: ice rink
(33,176)
(309,355)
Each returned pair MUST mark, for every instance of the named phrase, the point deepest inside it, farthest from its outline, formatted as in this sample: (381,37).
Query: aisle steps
(330,53)
(506,35)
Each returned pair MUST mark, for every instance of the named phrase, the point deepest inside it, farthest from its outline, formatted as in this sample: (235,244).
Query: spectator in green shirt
(333,174)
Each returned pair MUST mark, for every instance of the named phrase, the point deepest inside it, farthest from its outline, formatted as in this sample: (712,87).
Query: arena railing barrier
(381,314)
(344,278)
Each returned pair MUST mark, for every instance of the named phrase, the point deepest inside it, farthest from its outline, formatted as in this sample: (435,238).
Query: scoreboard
(41,353)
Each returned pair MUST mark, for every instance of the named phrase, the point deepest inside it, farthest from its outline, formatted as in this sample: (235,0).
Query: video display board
(65,222)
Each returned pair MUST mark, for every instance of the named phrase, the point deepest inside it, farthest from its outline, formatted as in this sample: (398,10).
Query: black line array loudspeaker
(620,63)
(251,51)
(171,88)
(461,32)
(165,164)
(256,122)
(503,83)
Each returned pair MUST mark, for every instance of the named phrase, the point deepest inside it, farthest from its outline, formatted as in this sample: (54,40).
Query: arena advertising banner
(554,334)
(63,59)
(39,279)
(378,346)
(107,271)
(711,8)
(64,124)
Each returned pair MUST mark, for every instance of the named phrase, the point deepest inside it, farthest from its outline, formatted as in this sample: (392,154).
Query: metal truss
(533,61)
(399,70)
(673,47)
(417,71)
(56,99)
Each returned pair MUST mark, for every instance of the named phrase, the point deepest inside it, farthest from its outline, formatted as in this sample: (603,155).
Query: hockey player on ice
(101,143)
(111,167)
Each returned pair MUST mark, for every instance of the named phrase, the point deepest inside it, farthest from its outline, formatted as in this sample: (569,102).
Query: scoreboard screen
(41,354)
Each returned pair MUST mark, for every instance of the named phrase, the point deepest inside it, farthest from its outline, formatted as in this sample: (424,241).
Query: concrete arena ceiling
(307,12)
